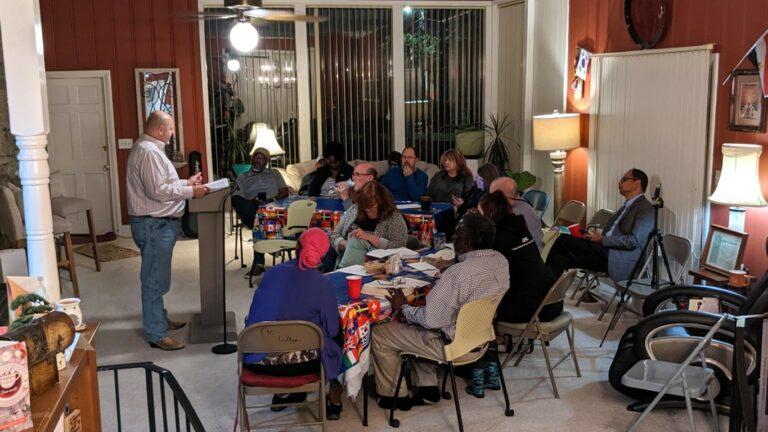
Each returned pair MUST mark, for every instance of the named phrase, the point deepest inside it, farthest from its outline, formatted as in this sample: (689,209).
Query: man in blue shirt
(406,182)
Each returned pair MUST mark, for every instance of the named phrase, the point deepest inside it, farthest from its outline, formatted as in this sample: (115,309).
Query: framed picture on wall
(748,106)
(723,250)
(158,90)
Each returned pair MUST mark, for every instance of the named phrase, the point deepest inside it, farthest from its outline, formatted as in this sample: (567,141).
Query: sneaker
(167,344)
(403,403)
(491,378)
(257,270)
(426,396)
(175,325)
(477,388)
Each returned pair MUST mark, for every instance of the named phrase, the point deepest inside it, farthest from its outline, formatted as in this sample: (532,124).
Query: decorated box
(15,411)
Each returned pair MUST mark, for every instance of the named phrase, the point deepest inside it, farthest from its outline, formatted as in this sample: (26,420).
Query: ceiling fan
(244,36)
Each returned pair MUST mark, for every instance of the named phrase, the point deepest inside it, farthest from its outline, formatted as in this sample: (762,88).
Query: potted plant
(525,180)
(497,150)
(469,138)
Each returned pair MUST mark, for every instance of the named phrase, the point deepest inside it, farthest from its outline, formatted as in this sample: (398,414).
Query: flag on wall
(758,55)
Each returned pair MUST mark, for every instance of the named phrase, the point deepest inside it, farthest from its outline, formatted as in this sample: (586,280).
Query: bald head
(160,126)
(362,174)
(507,186)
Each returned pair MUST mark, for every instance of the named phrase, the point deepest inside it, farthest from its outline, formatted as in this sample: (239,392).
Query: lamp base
(736,218)
(558,165)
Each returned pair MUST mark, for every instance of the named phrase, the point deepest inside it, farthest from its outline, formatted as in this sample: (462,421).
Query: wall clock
(646,21)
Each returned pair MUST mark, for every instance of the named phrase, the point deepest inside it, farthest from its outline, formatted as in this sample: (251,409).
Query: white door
(78,147)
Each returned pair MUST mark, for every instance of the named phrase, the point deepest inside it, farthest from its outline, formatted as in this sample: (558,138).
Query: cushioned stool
(62,227)
(65,206)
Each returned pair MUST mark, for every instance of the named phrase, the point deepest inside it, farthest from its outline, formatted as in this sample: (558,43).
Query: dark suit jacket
(627,240)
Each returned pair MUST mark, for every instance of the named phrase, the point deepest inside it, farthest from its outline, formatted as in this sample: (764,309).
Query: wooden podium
(207,326)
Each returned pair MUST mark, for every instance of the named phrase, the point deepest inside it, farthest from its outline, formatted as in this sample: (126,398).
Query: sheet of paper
(405,253)
(446,254)
(422,266)
(408,206)
(358,270)
(218,184)
(380,288)
(383,253)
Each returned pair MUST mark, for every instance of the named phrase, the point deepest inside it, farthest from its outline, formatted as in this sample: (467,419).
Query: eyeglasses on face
(626,179)
(357,174)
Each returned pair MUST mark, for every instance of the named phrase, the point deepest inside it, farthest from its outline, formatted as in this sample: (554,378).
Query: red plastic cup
(354,286)
(575,230)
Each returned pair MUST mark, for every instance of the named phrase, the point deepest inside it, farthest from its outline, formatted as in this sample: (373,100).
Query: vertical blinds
(444,65)
(651,112)
(350,58)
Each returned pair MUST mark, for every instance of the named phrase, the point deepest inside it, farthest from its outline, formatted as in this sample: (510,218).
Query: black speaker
(189,220)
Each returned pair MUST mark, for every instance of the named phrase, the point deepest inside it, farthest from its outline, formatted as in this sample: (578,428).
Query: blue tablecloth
(336,204)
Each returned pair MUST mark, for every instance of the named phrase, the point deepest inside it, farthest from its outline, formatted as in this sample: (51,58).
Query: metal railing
(191,421)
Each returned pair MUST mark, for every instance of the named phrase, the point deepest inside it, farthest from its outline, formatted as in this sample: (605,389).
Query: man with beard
(260,185)
(406,182)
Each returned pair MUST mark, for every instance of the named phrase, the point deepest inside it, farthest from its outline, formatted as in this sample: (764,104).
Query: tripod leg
(660,240)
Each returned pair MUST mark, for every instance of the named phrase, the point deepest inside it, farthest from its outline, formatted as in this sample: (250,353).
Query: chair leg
(455,396)
(549,368)
(92,231)
(509,412)
(236,237)
(607,306)
(404,364)
(688,406)
(365,399)
(573,348)
(445,395)
(242,412)
(250,273)
(321,405)
(71,263)
(242,264)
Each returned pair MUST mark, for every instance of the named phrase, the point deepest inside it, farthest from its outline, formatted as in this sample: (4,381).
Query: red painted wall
(121,35)
(598,26)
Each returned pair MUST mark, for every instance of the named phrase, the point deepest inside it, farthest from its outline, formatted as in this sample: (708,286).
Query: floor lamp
(557,133)
(739,183)
(263,136)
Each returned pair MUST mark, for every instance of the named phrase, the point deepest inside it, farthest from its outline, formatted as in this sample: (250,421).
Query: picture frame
(158,89)
(723,250)
(748,106)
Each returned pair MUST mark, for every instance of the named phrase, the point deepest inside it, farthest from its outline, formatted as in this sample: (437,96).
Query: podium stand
(207,326)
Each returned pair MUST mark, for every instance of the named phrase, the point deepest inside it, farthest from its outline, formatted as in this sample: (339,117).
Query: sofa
(292,174)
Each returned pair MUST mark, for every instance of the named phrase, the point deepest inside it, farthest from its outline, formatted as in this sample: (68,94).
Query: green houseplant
(497,150)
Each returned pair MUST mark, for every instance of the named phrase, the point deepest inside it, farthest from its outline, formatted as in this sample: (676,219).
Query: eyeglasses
(626,179)
(357,174)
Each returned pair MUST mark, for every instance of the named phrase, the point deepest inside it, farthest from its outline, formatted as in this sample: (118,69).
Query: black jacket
(529,277)
(322,174)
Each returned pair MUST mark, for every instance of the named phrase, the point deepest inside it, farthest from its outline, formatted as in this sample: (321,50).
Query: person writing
(480,273)
(156,198)
(406,182)
(296,290)
(373,222)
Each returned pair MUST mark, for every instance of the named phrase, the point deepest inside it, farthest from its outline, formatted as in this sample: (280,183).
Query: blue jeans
(155,239)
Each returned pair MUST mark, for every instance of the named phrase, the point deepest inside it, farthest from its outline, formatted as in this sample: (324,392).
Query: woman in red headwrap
(296,290)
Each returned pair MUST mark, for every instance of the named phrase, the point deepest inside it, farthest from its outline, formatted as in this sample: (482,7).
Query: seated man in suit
(617,248)
(406,182)
(520,207)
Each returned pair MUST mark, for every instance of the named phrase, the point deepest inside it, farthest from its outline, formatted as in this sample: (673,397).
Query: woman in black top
(453,180)
(336,170)
(529,278)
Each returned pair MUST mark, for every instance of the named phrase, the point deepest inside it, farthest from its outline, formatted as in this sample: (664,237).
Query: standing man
(407,183)
(156,198)
(362,174)
(520,207)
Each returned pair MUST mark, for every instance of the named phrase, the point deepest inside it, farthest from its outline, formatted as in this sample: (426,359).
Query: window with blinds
(262,90)
(444,65)
(350,58)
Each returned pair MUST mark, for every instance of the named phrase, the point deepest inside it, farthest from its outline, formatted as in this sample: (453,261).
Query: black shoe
(291,398)
(426,396)
(333,411)
(403,403)
(588,298)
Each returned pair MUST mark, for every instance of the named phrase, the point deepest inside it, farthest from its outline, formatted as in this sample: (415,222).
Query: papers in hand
(358,270)
(408,206)
(380,288)
(218,184)
(405,253)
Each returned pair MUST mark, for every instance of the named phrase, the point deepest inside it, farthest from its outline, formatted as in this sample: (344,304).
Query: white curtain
(650,110)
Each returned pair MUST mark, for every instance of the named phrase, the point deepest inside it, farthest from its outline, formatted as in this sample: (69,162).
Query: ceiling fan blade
(281,15)
(207,15)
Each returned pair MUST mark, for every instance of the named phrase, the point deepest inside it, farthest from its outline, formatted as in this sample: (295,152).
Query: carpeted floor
(113,297)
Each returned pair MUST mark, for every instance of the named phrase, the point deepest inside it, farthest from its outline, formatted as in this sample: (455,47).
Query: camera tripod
(655,241)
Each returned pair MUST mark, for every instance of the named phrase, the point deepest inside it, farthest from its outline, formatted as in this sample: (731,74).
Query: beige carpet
(107,252)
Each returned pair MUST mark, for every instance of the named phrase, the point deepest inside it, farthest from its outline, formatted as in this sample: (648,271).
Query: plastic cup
(354,286)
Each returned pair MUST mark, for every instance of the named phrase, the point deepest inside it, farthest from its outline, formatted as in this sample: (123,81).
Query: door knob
(106,167)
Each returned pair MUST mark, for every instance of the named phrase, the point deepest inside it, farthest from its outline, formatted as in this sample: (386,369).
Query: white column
(22,38)
(398,78)
(302,87)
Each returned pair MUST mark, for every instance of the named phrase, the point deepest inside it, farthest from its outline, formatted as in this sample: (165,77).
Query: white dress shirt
(153,185)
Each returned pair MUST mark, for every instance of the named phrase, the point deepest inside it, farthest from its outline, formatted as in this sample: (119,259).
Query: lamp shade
(739,183)
(556,131)
(262,136)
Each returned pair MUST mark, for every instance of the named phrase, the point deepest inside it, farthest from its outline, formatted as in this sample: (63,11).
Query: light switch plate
(124,143)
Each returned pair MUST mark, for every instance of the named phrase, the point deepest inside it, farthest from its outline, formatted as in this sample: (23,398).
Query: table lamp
(262,136)
(739,183)
(557,133)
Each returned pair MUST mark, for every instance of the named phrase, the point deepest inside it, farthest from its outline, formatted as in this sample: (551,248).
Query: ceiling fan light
(244,37)
(233,65)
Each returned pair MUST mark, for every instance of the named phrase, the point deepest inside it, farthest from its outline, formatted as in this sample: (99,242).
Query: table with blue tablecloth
(271,217)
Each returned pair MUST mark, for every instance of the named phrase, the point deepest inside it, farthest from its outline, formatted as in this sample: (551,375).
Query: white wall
(511,78)
(546,78)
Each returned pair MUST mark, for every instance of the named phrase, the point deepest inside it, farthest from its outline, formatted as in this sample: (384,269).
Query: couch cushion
(250,379)
(294,173)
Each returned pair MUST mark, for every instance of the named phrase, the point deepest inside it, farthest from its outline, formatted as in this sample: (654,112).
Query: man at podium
(156,198)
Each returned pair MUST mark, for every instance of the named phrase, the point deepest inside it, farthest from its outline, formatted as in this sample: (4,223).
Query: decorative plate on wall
(646,20)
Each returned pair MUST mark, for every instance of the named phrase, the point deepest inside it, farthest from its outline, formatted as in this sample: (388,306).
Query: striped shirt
(153,185)
(480,274)
(269,181)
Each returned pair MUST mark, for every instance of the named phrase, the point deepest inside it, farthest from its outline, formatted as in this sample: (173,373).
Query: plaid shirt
(479,274)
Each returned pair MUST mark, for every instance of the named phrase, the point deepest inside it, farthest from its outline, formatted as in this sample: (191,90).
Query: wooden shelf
(78,387)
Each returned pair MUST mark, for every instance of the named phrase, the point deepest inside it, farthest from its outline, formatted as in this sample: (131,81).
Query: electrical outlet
(124,143)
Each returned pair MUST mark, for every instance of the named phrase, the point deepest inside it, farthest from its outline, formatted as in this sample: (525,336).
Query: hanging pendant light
(244,36)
